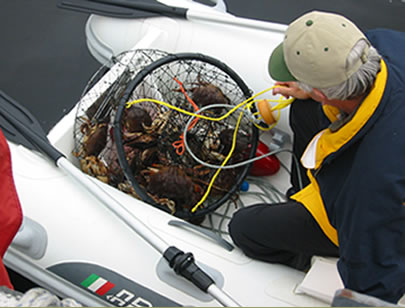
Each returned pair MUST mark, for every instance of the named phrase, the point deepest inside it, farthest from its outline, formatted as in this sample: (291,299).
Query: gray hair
(360,82)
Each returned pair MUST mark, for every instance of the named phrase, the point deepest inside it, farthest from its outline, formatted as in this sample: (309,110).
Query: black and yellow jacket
(357,180)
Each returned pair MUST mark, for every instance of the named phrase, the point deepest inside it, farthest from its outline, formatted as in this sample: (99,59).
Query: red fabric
(10,209)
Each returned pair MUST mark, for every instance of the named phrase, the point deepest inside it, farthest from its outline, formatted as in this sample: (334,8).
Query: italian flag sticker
(97,284)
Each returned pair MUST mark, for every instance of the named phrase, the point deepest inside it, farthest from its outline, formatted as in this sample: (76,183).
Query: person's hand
(291,88)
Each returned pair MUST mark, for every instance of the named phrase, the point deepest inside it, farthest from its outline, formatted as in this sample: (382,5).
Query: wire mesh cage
(94,145)
(142,127)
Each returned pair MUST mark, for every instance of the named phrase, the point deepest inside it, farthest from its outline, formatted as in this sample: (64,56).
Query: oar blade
(104,9)
(123,8)
(9,107)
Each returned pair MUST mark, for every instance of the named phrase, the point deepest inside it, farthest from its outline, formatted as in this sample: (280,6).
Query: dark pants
(286,233)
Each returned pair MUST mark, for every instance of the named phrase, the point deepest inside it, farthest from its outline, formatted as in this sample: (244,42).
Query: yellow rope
(235,133)
(284,103)
(281,103)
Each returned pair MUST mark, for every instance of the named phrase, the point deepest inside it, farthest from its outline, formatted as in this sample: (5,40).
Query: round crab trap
(130,130)
(149,130)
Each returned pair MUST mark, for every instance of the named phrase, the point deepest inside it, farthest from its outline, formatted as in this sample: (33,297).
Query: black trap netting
(128,135)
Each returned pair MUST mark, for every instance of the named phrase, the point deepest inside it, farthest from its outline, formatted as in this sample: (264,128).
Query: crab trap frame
(129,132)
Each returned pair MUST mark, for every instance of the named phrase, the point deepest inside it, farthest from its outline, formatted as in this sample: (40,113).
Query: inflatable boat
(85,239)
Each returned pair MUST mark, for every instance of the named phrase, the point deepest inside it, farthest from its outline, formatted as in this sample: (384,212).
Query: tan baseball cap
(315,49)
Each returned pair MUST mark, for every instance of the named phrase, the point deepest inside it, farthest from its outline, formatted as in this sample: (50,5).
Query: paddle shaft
(42,143)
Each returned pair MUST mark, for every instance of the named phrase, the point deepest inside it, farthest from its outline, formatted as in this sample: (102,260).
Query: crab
(128,189)
(94,167)
(94,140)
(208,94)
(139,140)
(136,119)
(226,138)
(140,159)
(204,94)
(139,131)
(172,183)
(212,142)
(159,123)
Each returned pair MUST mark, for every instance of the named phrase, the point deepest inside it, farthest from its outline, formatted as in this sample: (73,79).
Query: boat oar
(110,10)
(154,8)
(21,127)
